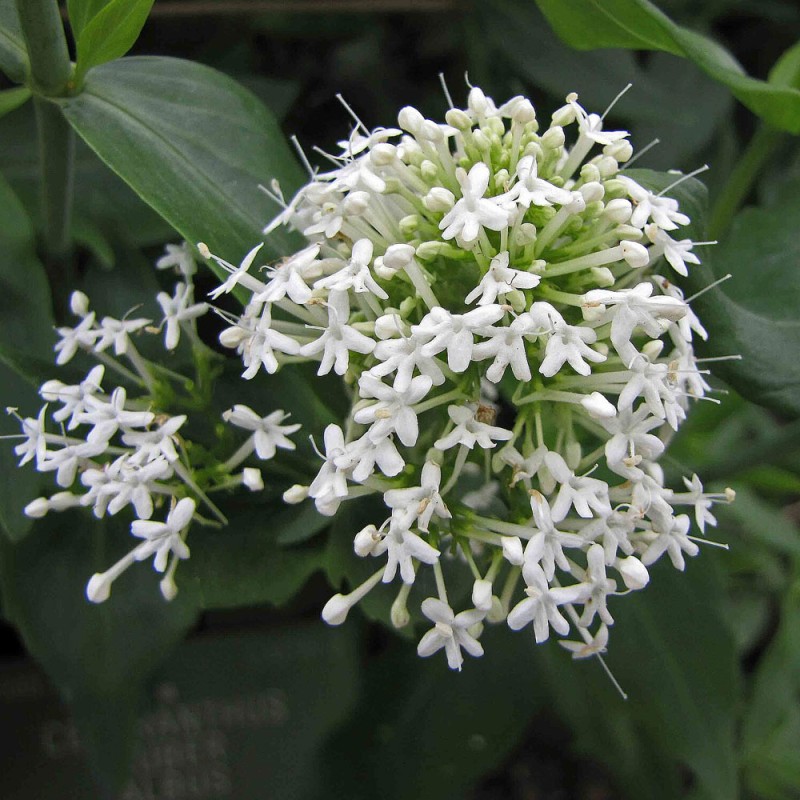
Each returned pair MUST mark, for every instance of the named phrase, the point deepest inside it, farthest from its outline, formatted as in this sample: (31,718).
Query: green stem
(46,42)
(57,159)
(741,181)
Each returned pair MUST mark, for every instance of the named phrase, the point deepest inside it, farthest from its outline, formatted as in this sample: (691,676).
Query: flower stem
(740,183)
(46,43)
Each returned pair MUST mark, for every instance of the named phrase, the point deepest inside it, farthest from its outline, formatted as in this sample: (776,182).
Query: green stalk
(51,73)
(741,181)
(46,42)
(56,156)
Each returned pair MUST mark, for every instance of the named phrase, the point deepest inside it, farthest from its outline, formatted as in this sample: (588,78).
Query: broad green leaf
(771,726)
(110,33)
(244,565)
(13,98)
(102,201)
(762,522)
(517,33)
(421,730)
(166,127)
(81,12)
(13,53)
(98,656)
(638,24)
(786,71)
(672,653)
(753,314)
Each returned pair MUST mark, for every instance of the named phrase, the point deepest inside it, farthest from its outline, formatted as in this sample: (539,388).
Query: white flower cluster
(111,451)
(495,299)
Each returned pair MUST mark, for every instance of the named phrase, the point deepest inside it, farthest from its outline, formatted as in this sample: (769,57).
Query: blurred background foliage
(710,659)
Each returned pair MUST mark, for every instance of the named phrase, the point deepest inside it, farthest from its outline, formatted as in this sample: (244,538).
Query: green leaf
(102,201)
(26,319)
(98,656)
(639,25)
(13,98)
(81,12)
(244,565)
(762,522)
(786,71)
(422,731)
(13,53)
(754,313)
(672,653)
(771,726)
(165,126)
(110,33)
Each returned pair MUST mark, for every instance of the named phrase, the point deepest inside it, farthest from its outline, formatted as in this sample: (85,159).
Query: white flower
(570,344)
(598,587)
(676,253)
(156,443)
(507,345)
(596,645)
(533,190)
(403,356)
(290,276)
(662,210)
(179,256)
(584,493)
(455,332)
(108,416)
(546,545)
(83,335)
(674,541)
(402,547)
(501,279)
(450,631)
(177,309)
(393,413)
(354,274)
(469,430)
(72,398)
(163,538)
(540,607)
(421,501)
(268,432)
(630,440)
(338,339)
(237,274)
(473,212)
(118,332)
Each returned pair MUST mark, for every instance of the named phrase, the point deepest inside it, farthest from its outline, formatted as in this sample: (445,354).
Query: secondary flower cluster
(111,451)
(499,303)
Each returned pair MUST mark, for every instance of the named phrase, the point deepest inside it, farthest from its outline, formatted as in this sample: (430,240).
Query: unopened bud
(79,304)
(365,540)
(98,589)
(458,119)
(168,588)
(512,550)
(621,150)
(410,119)
(251,478)
(383,154)
(553,138)
(633,572)
(482,594)
(399,611)
(618,210)
(603,276)
(635,254)
(37,508)
(356,203)
(598,407)
(336,609)
(295,494)
(592,191)
(439,199)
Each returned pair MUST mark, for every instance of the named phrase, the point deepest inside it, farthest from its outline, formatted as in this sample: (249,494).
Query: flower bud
(458,119)
(388,325)
(383,154)
(564,115)
(512,550)
(603,276)
(439,199)
(598,407)
(482,594)
(590,174)
(635,254)
(618,210)
(79,304)
(37,508)
(633,572)
(295,494)
(496,613)
(607,166)
(408,225)
(621,150)
(592,192)
(98,589)
(653,348)
(429,170)
(399,613)
(365,540)
(553,138)
(410,119)
(356,203)
(168,588)
(251,478)
(336,609)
